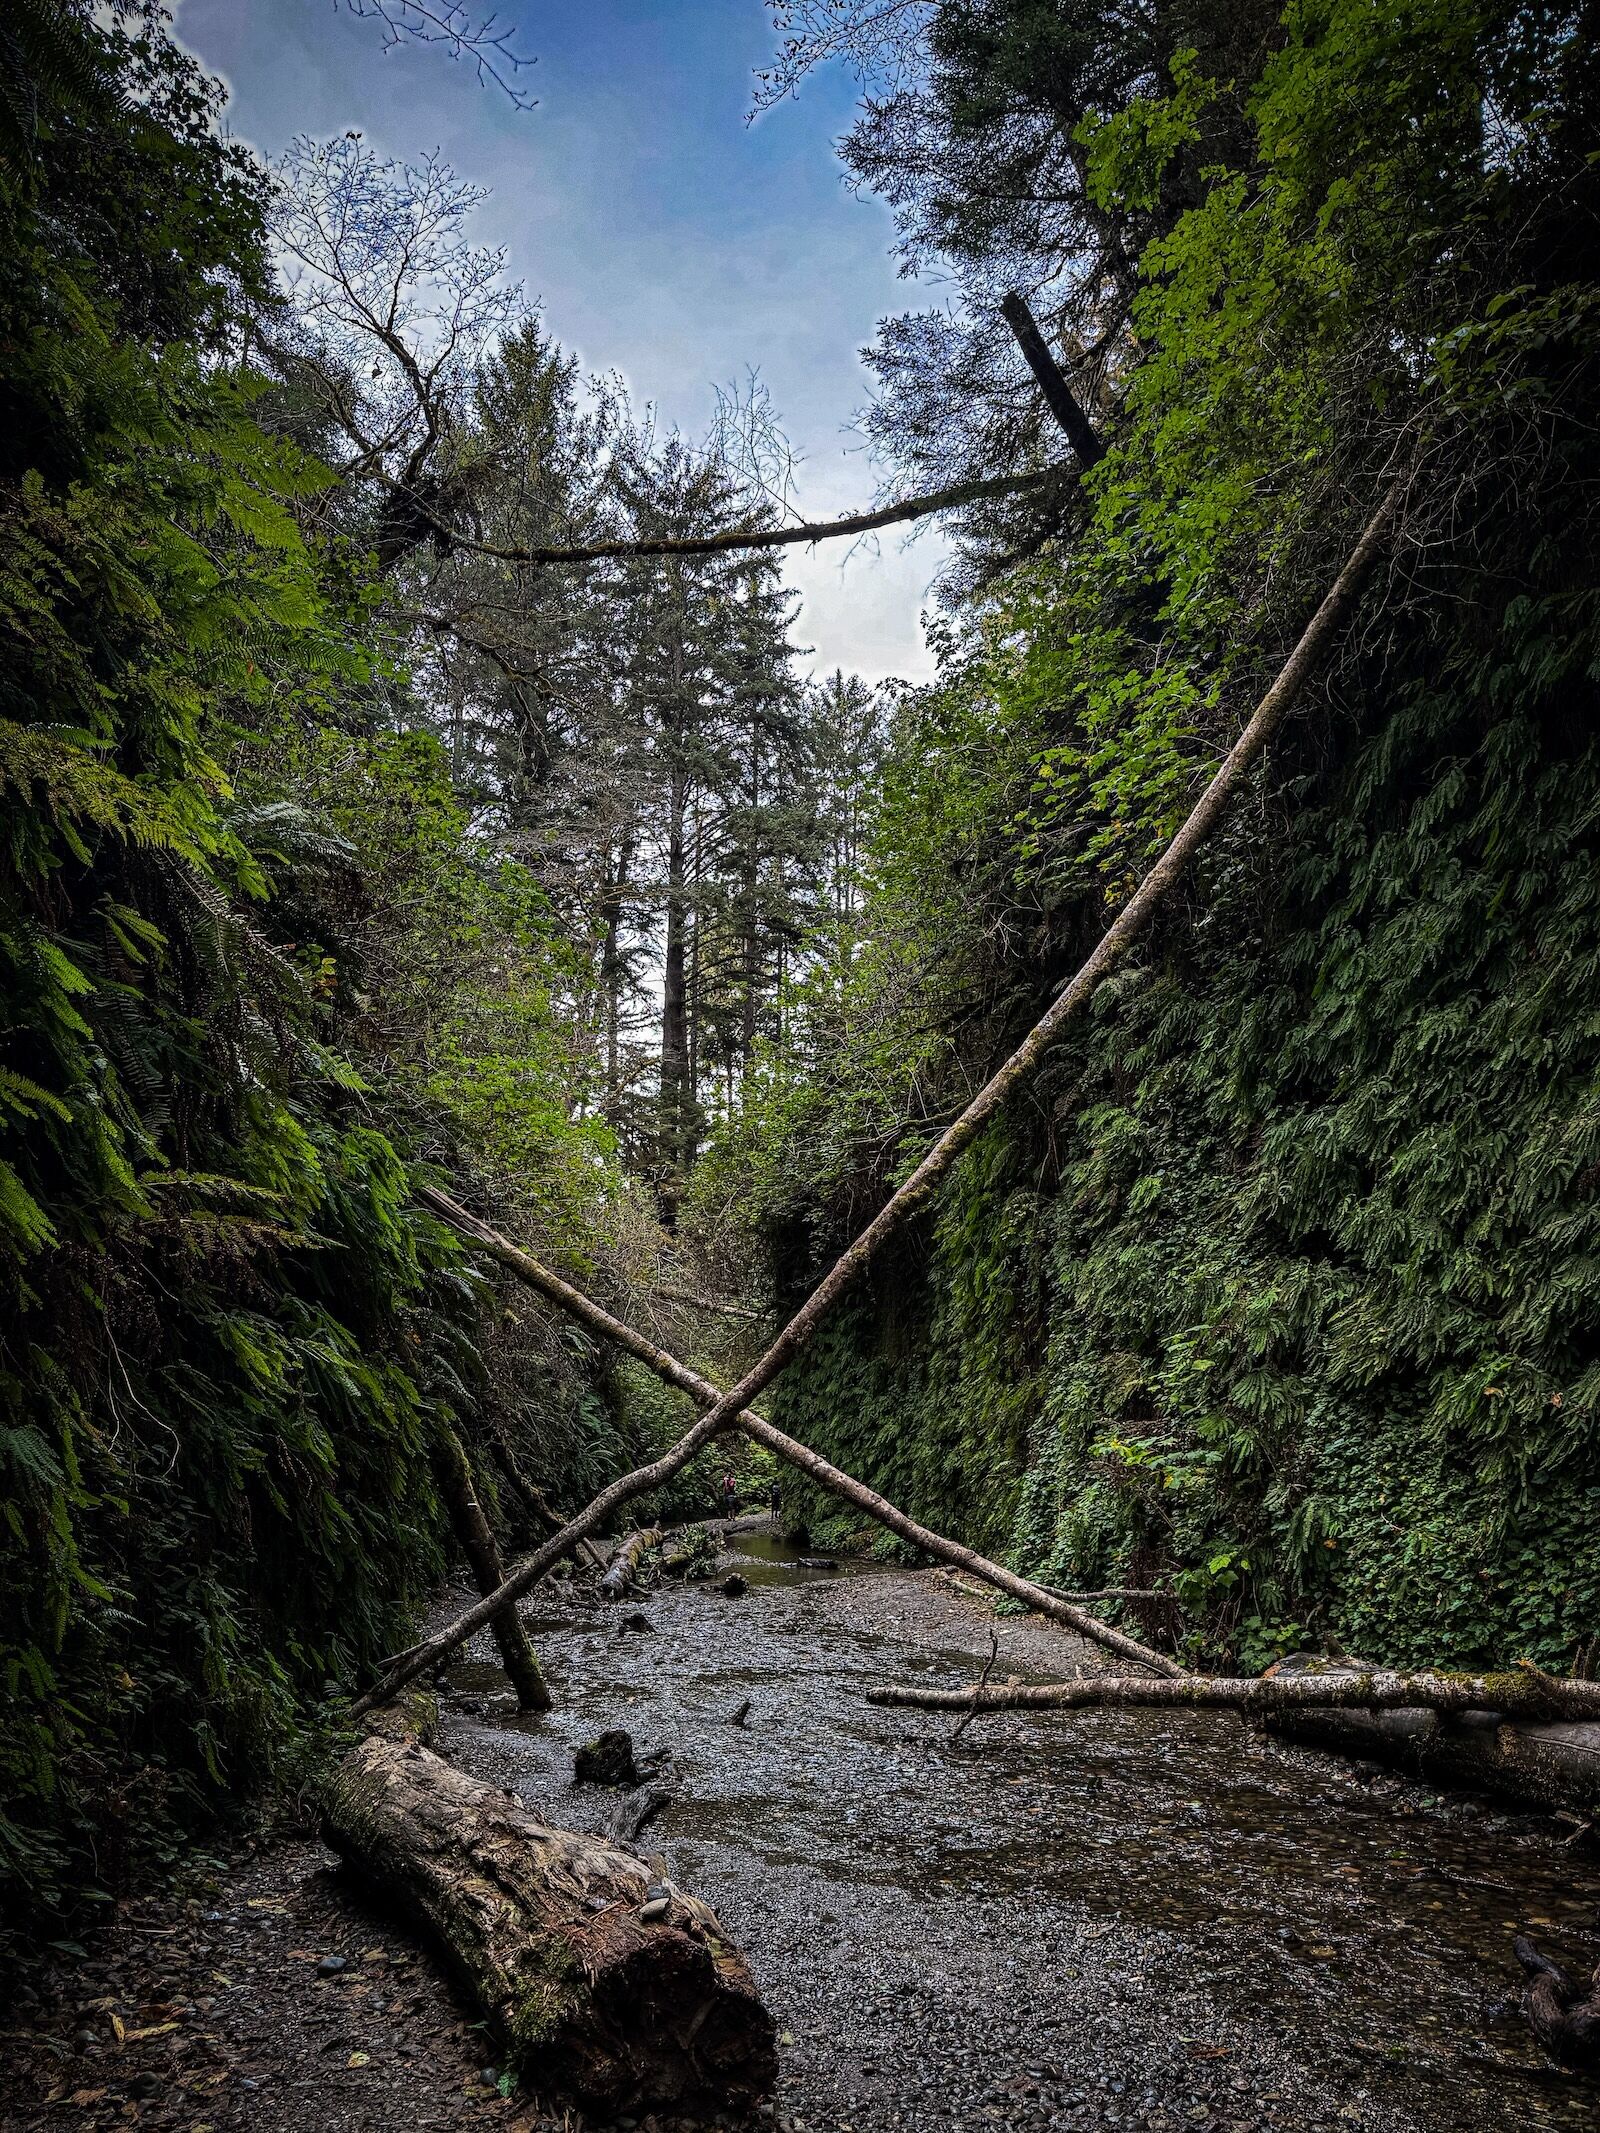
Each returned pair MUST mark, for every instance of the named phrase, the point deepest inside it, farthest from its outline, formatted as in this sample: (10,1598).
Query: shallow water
(1101,1918)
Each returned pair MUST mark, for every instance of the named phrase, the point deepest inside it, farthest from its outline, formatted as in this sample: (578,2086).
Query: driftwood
(477,1541)
(635,1811)
(1561,2013)
(730,1408)
(623,2012)
(1524,1694)
(618,1580)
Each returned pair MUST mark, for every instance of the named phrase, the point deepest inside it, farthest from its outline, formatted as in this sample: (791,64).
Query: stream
(1095,1919)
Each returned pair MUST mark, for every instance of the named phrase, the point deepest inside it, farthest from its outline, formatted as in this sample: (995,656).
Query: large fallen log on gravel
(626,1995)
(1527,1736)
(1551,1763)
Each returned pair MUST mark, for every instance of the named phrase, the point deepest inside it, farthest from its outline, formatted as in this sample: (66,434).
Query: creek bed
(1098,1919)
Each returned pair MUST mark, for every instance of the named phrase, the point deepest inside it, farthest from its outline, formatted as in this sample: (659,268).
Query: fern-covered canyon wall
(1283,1293)
(1277,1290)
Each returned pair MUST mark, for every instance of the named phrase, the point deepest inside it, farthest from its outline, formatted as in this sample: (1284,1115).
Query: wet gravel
(1065,1921)
(1105,1919)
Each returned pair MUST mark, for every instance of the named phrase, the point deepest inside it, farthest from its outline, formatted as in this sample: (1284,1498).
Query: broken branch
(736,538)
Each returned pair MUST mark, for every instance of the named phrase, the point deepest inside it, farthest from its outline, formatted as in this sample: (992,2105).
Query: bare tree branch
(741,537)
(477,39)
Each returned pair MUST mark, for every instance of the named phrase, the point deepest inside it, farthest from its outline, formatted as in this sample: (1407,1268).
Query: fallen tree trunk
(1553,1764)
(1527,1736)
(623,2011)
(618,1580)
(730,1408)
(1527,1694)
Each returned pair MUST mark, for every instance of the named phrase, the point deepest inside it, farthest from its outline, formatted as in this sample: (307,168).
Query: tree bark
(623,2014)
(477,1541)
(618,1580)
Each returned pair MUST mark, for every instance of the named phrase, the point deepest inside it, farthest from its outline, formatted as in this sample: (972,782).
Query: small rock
(640,1624)
(606,1760)
(331,1965)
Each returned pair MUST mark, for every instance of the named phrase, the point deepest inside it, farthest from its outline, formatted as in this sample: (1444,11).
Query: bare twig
(967,1717)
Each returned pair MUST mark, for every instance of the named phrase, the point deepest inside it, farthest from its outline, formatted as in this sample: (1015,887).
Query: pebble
(331,1965)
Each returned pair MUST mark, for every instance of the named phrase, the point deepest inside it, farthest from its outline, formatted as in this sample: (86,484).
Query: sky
(666,237)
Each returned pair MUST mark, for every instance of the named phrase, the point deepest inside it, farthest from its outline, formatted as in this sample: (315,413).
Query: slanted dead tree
(477,1542)
(1051,379)
(731,1408)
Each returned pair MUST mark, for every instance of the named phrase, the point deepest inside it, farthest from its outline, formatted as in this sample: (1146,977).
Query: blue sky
(667,238)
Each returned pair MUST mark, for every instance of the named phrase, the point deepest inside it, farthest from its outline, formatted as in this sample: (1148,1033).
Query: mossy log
(595,2002)
(618,1580)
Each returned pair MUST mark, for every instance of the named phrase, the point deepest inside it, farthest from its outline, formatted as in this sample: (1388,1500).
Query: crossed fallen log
(731,1409)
